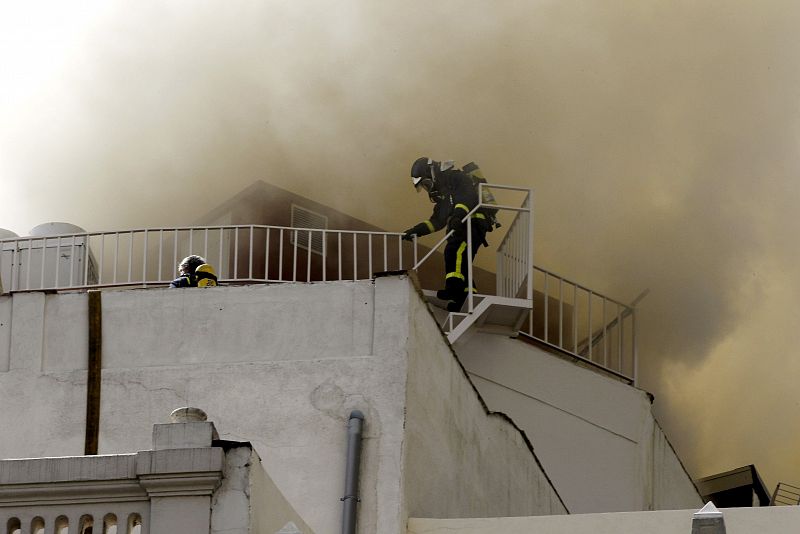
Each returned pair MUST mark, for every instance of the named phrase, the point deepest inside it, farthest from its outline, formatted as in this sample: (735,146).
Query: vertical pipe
(95,366)
(385,253)
(339,253)
(350,499)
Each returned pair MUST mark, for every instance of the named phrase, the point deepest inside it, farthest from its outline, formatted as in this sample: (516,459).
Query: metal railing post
(470,244)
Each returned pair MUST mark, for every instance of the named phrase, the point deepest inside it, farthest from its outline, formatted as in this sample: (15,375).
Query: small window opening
(134,524)
(305,218)
(62,525)
(110,524)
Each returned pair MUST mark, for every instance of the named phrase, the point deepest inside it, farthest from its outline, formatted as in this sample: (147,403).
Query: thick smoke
(660,138)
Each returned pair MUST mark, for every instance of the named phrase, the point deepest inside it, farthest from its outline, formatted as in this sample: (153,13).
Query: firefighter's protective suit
(454,195)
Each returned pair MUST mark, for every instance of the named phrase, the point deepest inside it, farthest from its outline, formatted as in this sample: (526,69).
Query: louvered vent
(303,218)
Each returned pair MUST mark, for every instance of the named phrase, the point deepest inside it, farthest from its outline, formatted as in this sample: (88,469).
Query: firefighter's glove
(418,230)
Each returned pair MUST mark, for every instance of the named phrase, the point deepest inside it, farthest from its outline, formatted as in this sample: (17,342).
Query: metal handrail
(144,257)
(586,324)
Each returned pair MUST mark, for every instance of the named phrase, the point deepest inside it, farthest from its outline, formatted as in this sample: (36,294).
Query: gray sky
(660,137)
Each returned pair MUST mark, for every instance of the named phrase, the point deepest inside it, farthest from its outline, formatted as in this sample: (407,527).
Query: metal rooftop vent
(305,218)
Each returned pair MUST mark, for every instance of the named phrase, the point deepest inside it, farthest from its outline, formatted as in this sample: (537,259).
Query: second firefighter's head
(188,265)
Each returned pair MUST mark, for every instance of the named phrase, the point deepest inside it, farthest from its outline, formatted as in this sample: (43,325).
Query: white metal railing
(584,323)
(515,255)
(785,495)
(240,254)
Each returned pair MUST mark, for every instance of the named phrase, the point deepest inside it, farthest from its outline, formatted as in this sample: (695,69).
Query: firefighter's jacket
(455,197)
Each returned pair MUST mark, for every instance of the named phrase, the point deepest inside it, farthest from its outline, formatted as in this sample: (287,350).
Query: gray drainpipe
(350,498)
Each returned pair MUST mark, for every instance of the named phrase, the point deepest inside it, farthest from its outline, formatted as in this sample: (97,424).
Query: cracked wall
(595,435)
(278,366)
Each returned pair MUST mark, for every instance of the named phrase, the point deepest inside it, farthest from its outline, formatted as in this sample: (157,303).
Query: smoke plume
(660,137)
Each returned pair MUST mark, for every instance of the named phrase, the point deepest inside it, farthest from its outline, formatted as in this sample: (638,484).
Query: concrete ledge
(68,468)
(173,461)
(58,493)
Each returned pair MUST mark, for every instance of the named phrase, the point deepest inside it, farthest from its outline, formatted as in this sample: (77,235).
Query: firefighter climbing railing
(240,254)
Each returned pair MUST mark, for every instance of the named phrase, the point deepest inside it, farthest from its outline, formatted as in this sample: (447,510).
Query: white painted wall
(466,461)
(280,366)
(595,435)
(764,520)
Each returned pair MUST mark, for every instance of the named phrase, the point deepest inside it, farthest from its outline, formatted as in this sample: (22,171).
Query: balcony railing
(586,324)
(148,257)
(785,495)
(566,315)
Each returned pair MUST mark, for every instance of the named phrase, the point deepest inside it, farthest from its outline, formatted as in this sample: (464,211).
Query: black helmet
(422,175)
(422,168)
